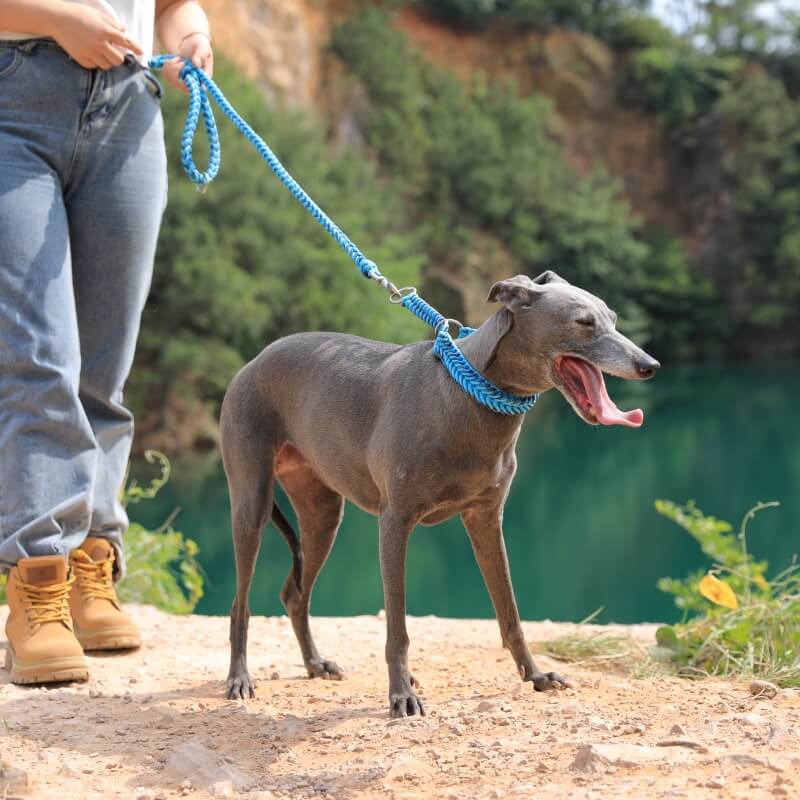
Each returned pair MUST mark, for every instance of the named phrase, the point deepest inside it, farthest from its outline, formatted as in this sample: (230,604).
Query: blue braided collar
(479,388)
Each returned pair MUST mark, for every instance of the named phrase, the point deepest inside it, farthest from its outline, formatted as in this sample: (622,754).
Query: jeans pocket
(10,56)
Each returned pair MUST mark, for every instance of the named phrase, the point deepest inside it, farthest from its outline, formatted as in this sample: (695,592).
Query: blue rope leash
(200,86)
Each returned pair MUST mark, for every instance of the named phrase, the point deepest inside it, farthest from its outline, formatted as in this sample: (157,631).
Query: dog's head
(562,336)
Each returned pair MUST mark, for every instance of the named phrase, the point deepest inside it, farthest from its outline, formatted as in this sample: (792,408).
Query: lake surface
(580,526)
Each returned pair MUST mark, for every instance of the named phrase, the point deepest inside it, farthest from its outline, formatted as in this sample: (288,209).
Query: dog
(333,416)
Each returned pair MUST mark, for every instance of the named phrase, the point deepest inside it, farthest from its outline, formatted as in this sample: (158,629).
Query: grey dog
(334,417)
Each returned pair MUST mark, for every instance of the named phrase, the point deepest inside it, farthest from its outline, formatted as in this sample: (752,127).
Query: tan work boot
(100,622)
(42,647)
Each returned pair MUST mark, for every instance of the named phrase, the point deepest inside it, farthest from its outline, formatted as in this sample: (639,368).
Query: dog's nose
(648,367)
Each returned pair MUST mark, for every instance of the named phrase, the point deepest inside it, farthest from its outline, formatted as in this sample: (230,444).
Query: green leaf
(668,639)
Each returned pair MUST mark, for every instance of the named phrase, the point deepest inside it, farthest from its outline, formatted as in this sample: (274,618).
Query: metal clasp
(398,295)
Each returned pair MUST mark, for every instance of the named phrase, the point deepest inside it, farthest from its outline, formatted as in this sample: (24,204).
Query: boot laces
(95,578)
(47,603)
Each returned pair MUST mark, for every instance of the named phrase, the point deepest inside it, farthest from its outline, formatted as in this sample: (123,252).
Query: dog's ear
(515,293)
(548,276)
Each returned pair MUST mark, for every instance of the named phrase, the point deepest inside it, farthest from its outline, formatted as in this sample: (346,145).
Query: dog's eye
(587,322)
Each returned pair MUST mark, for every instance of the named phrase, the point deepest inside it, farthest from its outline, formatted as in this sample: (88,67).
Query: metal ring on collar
(444,327)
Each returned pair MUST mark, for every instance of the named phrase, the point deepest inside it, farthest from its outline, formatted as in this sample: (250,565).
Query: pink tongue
(604,407)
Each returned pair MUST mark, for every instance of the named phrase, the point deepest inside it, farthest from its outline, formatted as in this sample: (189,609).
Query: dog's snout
(647,367)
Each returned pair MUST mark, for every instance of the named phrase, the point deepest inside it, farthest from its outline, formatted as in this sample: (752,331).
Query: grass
(596,648)
(737,624)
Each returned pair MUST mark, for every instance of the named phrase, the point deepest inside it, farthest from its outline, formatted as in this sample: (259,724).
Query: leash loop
(201,87)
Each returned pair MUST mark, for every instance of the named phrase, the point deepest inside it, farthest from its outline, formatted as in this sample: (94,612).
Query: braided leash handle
(200,86)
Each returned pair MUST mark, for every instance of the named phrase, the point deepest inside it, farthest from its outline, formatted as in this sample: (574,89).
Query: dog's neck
(491,350)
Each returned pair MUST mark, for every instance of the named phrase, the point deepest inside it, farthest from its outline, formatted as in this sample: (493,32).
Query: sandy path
(154,724)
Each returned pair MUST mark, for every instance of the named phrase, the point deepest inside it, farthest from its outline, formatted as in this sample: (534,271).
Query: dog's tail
(287,531)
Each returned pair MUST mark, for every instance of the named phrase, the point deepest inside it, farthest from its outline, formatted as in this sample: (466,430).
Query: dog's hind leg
(248,458)
(319,513)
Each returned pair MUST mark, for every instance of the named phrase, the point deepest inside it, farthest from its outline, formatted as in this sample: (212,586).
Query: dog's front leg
(393,539)
(484,526)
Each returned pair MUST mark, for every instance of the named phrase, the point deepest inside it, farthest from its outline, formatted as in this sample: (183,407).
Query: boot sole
(52,670)
(110,639)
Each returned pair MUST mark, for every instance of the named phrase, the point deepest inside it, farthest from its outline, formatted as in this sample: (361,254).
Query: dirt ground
(154,724)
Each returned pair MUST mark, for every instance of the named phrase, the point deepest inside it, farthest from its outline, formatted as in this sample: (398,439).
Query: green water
(580,526)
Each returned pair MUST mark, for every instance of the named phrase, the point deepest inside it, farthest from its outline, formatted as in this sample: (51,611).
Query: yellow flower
(715,590)
(759,581)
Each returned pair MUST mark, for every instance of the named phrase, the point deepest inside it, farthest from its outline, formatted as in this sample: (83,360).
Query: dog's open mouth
(584,386)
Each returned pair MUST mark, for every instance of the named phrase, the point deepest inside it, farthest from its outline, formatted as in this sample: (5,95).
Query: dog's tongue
(605,408)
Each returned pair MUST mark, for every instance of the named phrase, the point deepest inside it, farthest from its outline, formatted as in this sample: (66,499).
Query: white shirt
(138,16)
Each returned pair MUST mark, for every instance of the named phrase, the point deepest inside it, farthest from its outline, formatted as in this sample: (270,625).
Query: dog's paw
(405,704)
(549,681)
(327,670)
(239,687)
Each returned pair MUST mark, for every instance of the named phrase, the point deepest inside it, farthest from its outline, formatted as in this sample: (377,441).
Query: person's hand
(92,38)
(196,49)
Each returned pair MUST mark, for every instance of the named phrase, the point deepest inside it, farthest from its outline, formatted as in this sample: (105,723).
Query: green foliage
(599,17)
(162,568)
(678,83)
(762,126)
(486,160)
(760,636)
(739,128)
(722,545)
(244,263)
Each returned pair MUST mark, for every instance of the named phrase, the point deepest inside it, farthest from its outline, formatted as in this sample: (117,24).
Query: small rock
(677,730)
(779,791)
(196,764)
(752,719)
(403,765)
(487,705)
(715,783)
(140,793)
(221,789)
(275,676)
(591,757)
(67,771)
(13,781)
(763,689)
(742,760)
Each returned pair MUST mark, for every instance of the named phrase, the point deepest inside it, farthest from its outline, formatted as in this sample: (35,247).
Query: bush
(162,568)
(678,84)
(599,17)
(744,624)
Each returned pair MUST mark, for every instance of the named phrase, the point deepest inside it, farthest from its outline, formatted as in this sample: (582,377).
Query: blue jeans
(82,191)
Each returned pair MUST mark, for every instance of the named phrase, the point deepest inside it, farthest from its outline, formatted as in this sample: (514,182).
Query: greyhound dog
(333,417)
